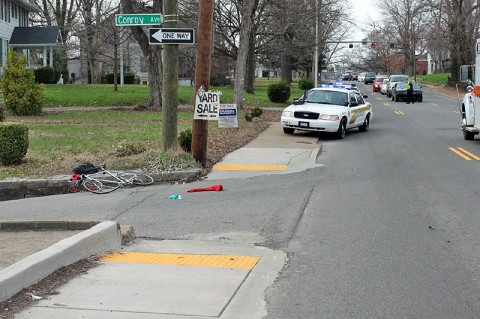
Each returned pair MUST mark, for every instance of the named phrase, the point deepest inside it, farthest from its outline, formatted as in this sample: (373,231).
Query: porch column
(44,56)
(51,57)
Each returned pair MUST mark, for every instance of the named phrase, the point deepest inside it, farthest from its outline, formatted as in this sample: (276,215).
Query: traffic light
(372,45)
(350,46)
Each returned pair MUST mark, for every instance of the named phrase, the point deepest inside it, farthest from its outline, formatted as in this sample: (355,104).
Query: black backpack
(85,168)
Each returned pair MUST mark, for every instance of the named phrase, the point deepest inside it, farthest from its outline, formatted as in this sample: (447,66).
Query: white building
(16,32)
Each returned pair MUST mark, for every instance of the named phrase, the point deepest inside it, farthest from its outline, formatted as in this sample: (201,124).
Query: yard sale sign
(207,105)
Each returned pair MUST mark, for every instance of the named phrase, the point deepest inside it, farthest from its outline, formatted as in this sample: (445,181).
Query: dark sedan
(399,92)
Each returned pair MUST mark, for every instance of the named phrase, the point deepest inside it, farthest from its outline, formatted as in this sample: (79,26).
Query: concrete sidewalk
(146,286)
(152,279)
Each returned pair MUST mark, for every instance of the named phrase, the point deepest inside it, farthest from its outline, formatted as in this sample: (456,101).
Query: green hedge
(128,78)
(14,141)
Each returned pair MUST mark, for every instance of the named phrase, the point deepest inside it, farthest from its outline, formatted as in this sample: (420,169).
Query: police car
(331,108)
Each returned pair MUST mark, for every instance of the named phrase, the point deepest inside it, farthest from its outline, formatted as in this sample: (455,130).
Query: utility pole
(414,59)
(170,80)
(202,76)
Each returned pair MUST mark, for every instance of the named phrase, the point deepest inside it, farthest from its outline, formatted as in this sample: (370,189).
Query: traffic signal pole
(202,76)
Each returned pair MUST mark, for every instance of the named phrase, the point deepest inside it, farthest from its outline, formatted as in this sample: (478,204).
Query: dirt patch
(16,245)
(46,287)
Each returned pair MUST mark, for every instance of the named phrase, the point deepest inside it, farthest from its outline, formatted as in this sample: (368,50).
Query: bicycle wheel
(139,179)
(99,186)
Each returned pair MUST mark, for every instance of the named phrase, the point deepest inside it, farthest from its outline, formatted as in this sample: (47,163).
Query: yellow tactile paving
(249,167)
(219,261)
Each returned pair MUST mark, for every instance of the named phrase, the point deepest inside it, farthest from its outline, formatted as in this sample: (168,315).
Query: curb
(25,188)
(102,237)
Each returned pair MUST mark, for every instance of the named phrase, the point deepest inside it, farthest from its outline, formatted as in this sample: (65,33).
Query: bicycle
(99,180)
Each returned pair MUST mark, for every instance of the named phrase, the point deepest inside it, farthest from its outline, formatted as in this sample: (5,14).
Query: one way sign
(171,36)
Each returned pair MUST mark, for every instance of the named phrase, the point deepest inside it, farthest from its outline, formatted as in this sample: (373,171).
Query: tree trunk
(155,77)
(286,67)
(251,63)
(245,30)
(152,54)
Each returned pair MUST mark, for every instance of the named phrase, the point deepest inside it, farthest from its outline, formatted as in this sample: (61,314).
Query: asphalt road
(390,227)
(386,228)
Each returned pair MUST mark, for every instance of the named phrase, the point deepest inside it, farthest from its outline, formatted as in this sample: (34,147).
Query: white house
(16,32)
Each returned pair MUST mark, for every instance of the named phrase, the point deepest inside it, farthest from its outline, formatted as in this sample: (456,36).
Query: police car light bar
(336,85)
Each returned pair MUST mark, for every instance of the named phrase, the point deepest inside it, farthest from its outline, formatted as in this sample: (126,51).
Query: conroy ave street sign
(138,19)
(171,36)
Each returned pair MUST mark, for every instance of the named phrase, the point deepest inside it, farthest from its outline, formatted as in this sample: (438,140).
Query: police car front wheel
(342,128)
(366,125)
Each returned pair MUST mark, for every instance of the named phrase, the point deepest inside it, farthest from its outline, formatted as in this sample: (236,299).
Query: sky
(363,12)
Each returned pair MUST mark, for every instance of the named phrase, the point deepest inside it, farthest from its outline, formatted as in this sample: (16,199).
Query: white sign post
(227,117)
(207,106)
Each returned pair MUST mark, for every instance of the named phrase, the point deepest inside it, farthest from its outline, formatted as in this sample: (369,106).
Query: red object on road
(215,188)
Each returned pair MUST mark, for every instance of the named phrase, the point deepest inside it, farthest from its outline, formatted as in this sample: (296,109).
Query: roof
(30,5)
(30,37)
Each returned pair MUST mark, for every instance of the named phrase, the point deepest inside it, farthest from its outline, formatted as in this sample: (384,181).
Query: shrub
(279,92)
(220,80)
(305,84)
(14,141)
(2,113)
(185,140)
(128,78)
(256,112)
(21,95)
(47,75)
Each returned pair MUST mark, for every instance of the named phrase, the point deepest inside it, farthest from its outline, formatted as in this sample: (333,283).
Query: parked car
(399,92)
(378,81)
(361,76)
(328,109)
(383,86)
(369,77)
(393,79)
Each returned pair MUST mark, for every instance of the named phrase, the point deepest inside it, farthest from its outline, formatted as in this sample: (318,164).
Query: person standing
(409,87)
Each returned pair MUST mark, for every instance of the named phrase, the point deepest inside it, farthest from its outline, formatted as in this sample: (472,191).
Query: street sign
(138,19)
(171,36)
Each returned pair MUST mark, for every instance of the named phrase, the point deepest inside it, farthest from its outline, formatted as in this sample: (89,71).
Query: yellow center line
(248,167)
(216,261)
(469,154)
(460,154)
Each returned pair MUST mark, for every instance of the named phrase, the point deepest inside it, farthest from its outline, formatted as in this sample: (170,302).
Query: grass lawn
(104,95)
(124,139)
(434,79)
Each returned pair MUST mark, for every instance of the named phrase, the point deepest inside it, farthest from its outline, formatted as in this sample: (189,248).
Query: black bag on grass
(85,168)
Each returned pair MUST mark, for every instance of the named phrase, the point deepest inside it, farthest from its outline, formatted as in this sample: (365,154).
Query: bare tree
(462,22)
(92,16)
(152,53)
(245,30)
(407,19)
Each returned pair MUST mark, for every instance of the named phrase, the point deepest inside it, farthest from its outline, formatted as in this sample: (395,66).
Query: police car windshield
(327,97)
